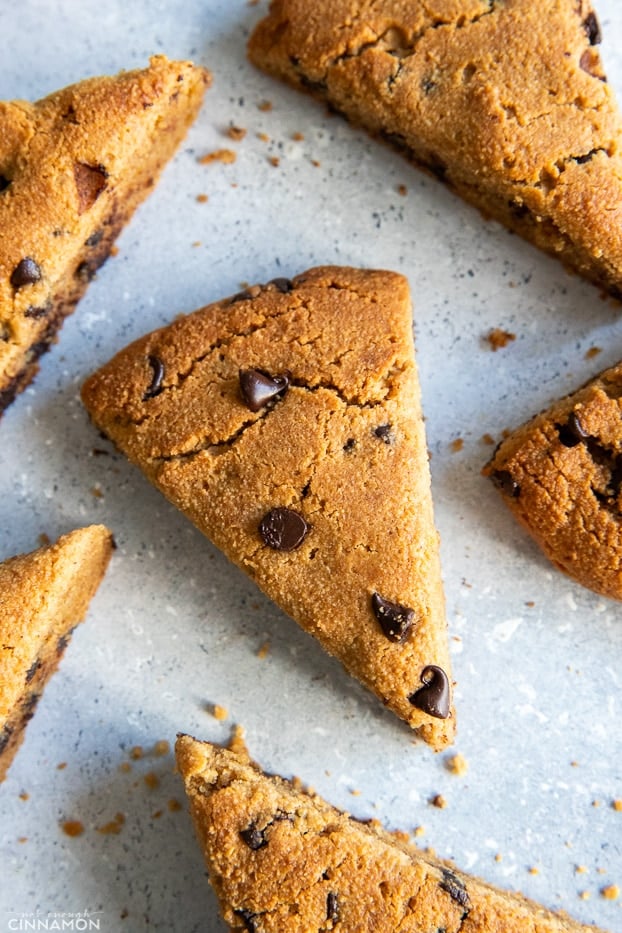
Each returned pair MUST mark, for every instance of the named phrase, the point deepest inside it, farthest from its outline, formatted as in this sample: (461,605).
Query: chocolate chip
(455,888)
(573,432)
(259,388)
(428,84)
(29,706)
(5,736)
(332,907)
(32,670)
(433,698)
(158,375)
(253,837)
(592,28)
(37,312)
(583,159)
(385,433)
(95,238)
(395,620)
(253,291)
(518,210)
(249,919)
(61,644)
(26,272)
(349,445)
(4,183)
(86,271)
(505,482)
(90,182)
(283,529)
(282,285)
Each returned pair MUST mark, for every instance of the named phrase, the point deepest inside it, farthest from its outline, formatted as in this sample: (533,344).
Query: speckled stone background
(175,628)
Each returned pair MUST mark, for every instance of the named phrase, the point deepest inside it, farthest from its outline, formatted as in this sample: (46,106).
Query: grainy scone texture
(506,102)
(73,167)
(322,493)
(43,596)
(284,861)
(561,476)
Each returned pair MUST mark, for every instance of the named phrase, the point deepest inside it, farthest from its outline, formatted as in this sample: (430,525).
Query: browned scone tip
(560,474)
(286,423)
(505,102)
(73,168)
(284,861)
(43,596)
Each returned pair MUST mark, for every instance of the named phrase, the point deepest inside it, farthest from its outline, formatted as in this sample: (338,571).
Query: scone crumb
(298,137)
(275,161)
(114,827)
(44,539)
(592,352)
(152,780)
(580,869)
(72,828)
(24,795)
(125,767)
(236,133)
(498,857)
(227,156)
(418,832)
(22,839)
(355,792)
(136,752)
(499,338)
(610,892)
(202,198)
(457,764)
(61,766)
(438,801)
(237,743)
(488,439)
(174,805)
(263,137)
(456,445)
(617,805)
(585,895)
(402,190)
(533,870)
(263,650)
(265,106)
(161,748)
(218,712)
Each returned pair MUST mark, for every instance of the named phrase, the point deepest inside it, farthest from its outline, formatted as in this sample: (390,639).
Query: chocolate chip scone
(285,422)
(561,476)
(73,168)
(504,101)
(284,861)
(43,596)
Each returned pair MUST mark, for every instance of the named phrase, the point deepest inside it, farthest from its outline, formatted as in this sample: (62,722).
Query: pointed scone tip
(45,595)
(560,474)
(73,168)
(286,423)
(281,860)
(507,103)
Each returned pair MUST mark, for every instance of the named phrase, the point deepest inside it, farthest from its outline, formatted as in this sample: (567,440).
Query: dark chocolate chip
(349,445)
(249,919)
(5,737)
(283,529)
(385,433)
(573,432)
(518,210)
(434,697)
(455,888)
(259,388)
(4,183)
(428,84)
(90,182)
(395,620)
(253,837)
(37,312)
(332,907)
(592,28)
(61,644)
(505,482)
(95,238)
(282,285)
(32,670)
(155,386)
(26,272)
(29,706)
(583,159)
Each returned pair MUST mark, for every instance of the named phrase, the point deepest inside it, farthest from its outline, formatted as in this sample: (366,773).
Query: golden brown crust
(344,447)
(43,596)
(284,861)
(73,167)
(505,101)
(560,474)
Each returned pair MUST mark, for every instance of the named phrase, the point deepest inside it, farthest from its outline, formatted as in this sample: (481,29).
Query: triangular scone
(73,167)
(560,474)
(284,861)
(506,102)
(43,596)
(286,423)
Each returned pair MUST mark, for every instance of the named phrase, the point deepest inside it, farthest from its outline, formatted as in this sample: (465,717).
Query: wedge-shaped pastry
(506,102)
(284,861)
(286,423)
(73,167)
(561,476)
(43,596)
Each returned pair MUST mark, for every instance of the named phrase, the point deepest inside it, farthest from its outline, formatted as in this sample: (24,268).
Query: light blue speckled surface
(174,626)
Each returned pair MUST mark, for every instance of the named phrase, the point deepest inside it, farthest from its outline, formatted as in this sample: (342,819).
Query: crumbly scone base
(561,476)
(284,861)
(505,102)
(78,164)
(43,596)
(344,447)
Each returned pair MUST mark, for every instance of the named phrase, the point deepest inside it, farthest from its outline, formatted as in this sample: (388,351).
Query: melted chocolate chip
(384,432)
(155,386)
(395,620)
(332,907)
(434,697)
(26,272)
(592,28)
(282,285)
(455,888)
(283,529)
(253,837)
(90,181)
(95,238)
(4,183)
(349,445)
(37,312)
(573,432)
(32,670)
(249,919)
(505,482)
(259,388)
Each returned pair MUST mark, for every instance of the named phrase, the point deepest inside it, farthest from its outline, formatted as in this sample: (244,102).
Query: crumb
(263,137)
(202,198)
(274,160)
(457,764)
(456,445)
(174,805)
(72,828)
(403,190)
(530,603)
(97,492)
(124,914)
(592,352)
(227,156)
(196,243)
(22,839)
(596,803)
(24,796)
(498,857)
(355,792)
(157,814)
(418,831)
(236,133)
(580,869)
(601,871)
(315,163)
(152,780)
(533,870)
(438,801)
(617,805)
(237,743)
(585,895)
(265,106)
(611,892)
(498,338)
(161,748)
(44,539)
(114,250)
(488,439)
(574,764)
(136,752)
(263,650)
(253,2)
(114,827)
(298,137)
(125,766)
(218,712)
(61,766)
